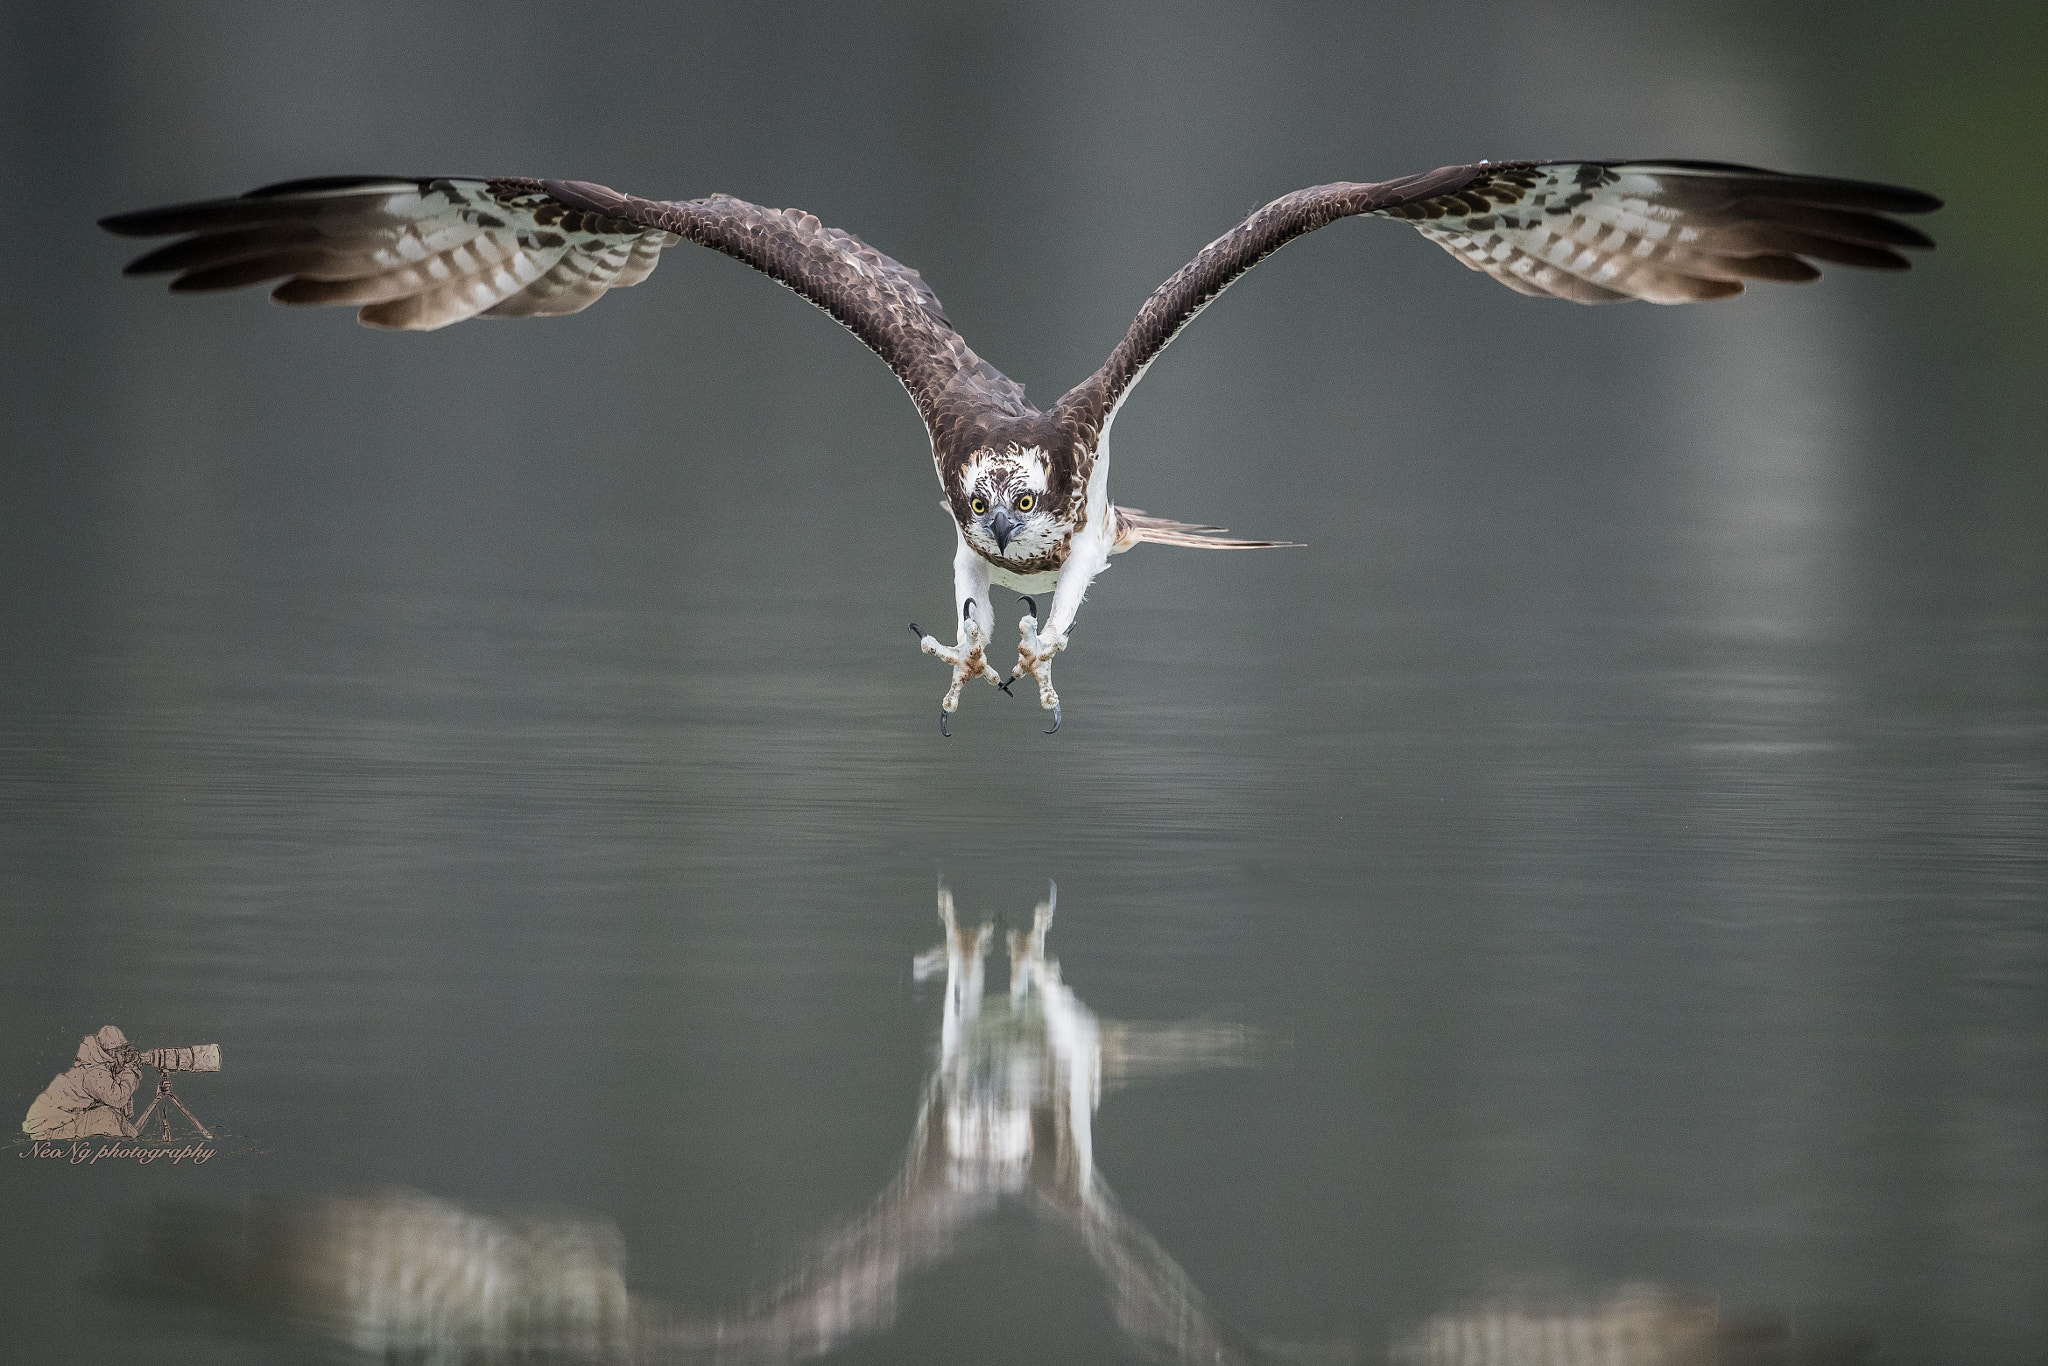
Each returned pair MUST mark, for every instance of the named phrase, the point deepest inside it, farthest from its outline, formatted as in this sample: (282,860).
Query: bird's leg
(1034,657)
(968,655)
(969,658)
(1027,951)
(1036,648)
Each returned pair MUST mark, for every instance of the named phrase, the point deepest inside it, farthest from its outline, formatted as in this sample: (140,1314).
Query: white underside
(1024,583)
(1088,553)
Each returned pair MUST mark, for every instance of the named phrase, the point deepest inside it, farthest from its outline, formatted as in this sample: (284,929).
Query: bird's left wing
(1593,232)
(423,253)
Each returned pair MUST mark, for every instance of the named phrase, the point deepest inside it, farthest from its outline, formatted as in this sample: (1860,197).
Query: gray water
(1598,887)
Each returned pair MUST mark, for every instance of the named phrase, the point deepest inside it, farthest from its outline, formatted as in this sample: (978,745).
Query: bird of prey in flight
(1028,489)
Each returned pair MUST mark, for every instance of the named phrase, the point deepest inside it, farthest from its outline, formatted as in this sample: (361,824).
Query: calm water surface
(1709,960)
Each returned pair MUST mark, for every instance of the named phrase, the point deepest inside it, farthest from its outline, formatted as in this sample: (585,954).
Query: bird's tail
(1133,526)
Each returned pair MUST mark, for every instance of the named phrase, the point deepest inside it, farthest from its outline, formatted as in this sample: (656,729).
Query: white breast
(1041,582)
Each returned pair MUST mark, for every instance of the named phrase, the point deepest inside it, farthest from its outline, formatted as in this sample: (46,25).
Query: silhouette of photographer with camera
(93,1097)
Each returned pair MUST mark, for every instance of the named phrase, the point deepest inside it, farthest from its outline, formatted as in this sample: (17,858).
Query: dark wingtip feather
(239,273)
(144,222)
(1890,198)
(1862,257)
(204,282)
(322,183)
(1846,225)
(219,248)
(1897,198)
(205,215)
(1784,270)
(257,206)
(1866,195)
(1854,194)
(1876,230)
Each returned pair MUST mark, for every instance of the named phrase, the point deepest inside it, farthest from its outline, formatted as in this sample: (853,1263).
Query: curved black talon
(942,724)
(1031,605)
(967,610)
(917,631)
(1004,687)
(1055,719)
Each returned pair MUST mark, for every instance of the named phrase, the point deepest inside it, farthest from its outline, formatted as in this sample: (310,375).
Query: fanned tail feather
(1133,526)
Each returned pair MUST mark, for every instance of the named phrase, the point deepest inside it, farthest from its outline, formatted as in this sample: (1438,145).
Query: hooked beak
(1003,524)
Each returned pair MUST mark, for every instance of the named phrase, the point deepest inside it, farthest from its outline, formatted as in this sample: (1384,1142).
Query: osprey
(1028,489)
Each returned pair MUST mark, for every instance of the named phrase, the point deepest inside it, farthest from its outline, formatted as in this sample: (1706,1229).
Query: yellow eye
(1024,503)
(979,505)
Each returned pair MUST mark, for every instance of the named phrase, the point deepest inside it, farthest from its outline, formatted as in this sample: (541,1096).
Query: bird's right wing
(418,254)
(1593,232)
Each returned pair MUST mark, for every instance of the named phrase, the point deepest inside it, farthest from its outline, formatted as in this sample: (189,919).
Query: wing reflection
(1007,1115)
(1634,1325)
(399,1276)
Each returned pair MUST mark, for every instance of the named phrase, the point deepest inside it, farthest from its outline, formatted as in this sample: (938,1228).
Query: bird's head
(1005,505)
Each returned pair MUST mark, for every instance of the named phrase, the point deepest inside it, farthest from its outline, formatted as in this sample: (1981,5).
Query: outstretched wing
(1594,232)
(421,254)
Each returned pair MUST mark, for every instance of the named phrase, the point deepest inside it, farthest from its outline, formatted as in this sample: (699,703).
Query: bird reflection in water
(1007,1116)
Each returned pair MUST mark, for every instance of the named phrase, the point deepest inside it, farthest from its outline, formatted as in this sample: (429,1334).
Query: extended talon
(1004,687)
(1034,657)
(967,656)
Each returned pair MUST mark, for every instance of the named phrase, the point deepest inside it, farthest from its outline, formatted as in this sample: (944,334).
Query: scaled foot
(969,658)
(1034,657)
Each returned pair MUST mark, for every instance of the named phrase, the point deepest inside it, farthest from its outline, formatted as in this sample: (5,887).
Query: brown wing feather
(1587,231)
(883,302)
(408,253)
(423,253)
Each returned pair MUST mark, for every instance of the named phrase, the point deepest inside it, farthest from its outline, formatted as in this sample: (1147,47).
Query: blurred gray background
(505,743)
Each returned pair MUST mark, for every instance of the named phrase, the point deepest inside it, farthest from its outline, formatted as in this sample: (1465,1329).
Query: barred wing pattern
(1588,231)
(411,254)
(419,254)
(1671,232)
